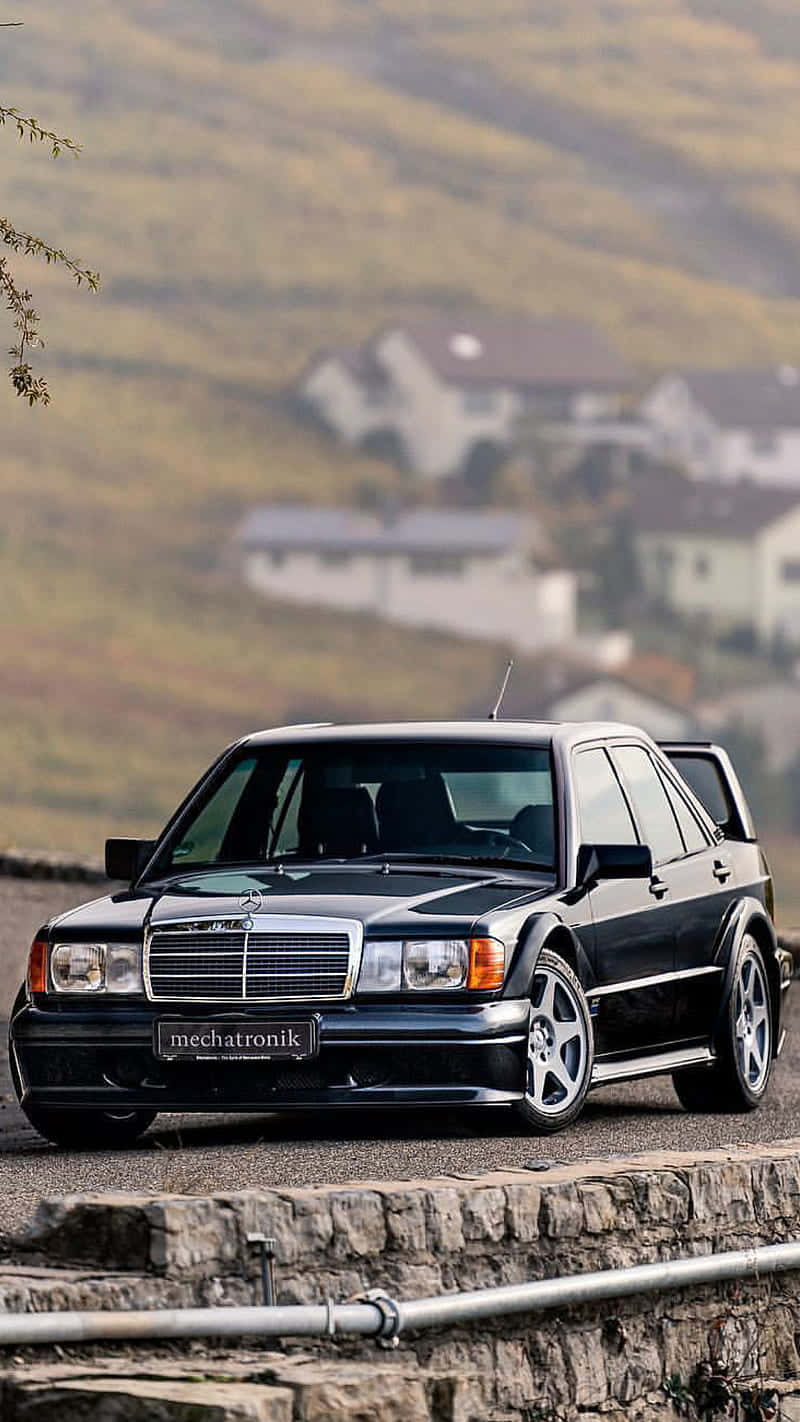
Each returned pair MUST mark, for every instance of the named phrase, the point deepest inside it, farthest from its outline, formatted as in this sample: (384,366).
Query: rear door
(703,882)
(633,935)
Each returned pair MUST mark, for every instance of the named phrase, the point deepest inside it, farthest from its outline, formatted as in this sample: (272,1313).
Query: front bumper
(369,1055)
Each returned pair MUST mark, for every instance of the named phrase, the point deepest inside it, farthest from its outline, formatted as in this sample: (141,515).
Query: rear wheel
(738,1079)
(560,1048)
(101,1130)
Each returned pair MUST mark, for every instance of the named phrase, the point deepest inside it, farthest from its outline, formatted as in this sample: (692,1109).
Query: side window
(694,837)
(653,809)
(603,813)
(703,776)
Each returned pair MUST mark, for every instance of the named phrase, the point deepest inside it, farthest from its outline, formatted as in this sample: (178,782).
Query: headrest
(338,821)
(534,826)
(414,812)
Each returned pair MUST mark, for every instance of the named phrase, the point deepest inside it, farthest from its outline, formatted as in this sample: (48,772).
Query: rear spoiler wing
(709,772)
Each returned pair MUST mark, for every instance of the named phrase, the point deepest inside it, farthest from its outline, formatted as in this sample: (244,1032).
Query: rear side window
(602,810)
(694,837)
(653,809)
(704,777)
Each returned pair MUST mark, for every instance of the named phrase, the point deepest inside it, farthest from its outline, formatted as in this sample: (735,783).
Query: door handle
(722,870)
(657,887)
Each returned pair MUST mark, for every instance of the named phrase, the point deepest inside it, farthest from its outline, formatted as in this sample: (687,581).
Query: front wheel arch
(542,931)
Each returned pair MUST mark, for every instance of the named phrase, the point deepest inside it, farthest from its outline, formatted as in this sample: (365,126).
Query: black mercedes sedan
(493,913)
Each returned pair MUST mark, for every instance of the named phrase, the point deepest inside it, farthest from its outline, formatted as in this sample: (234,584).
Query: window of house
(790,570)
(478,402)
(436,565)
(602,809)
(702,565)
(764,443)
(334,558)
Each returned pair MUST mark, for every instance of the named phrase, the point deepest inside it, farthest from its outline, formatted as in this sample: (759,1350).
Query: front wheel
(560,1048)
(739,1077)
(83,1130)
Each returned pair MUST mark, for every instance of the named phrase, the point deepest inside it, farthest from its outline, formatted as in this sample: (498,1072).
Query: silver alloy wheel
(752,1029)
(557,1044)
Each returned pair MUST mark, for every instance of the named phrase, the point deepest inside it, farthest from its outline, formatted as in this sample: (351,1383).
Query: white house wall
(740,457)
(684,432)
(341,401)
(727,592)
(778,611)
(434,423)
(746,583)
(495,599)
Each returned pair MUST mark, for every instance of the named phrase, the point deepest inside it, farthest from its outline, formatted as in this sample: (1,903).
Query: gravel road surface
(193,1154)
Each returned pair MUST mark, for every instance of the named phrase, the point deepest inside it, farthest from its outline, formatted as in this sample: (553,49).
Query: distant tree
(18,299)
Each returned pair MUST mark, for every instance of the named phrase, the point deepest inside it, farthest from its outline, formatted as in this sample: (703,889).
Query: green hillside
(262,178)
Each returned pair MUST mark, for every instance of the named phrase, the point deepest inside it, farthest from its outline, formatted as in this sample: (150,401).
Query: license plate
(236,1041)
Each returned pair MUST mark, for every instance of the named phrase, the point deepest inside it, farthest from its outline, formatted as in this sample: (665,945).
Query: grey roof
(288,527)
(752,399)
(536,354)
(725,510)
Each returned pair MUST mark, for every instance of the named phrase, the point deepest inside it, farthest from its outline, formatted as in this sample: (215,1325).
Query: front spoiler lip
(339,1098)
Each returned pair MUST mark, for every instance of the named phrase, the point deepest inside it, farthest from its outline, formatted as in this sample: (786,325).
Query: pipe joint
(388,1334)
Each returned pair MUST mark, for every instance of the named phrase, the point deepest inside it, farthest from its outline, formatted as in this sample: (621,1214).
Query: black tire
(740,1075)
(560,1048)
(89,1130)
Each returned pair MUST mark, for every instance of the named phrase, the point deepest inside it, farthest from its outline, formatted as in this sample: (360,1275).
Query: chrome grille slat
(269,961)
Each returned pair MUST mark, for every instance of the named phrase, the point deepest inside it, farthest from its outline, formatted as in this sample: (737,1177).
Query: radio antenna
(493,714)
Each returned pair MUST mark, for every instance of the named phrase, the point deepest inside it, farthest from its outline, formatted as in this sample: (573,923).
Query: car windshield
(358,800)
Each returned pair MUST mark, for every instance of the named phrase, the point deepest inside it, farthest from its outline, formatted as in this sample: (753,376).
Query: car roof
(516,732)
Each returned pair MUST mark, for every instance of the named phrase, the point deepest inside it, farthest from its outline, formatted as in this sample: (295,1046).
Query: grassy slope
(250,193)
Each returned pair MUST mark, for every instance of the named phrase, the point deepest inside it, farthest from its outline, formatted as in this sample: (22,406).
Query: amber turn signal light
(37,966)
(487,964)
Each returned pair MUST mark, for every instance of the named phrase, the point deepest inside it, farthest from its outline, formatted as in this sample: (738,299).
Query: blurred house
(444,396)
(729,424)
(484,575)
(770,712)
(569,688)
(729,557)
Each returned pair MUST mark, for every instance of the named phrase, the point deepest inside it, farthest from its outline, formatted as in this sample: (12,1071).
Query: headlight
(96,967)
(78,967)
(381,967)
(435,963)
(123,968)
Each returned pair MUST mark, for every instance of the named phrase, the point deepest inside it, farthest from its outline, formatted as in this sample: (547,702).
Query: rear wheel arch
(750,917)
(762,931)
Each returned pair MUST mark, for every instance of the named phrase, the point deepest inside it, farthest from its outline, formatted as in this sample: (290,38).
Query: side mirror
(614,861)
(126,858)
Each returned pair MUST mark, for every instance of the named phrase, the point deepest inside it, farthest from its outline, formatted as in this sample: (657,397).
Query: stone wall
(416,1238)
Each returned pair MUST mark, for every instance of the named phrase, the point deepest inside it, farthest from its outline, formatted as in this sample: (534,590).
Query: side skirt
(655,1064)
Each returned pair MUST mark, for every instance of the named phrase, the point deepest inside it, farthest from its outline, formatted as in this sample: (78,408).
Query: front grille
(195,964)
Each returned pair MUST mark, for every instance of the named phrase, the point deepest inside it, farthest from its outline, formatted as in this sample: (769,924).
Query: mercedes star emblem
(251,899)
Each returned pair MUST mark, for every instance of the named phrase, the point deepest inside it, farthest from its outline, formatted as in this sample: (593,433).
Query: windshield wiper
(476,860)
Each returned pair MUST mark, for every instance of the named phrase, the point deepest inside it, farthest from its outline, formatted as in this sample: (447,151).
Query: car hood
(398,902)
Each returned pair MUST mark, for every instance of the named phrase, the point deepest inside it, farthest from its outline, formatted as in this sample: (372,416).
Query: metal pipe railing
(379,1316)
